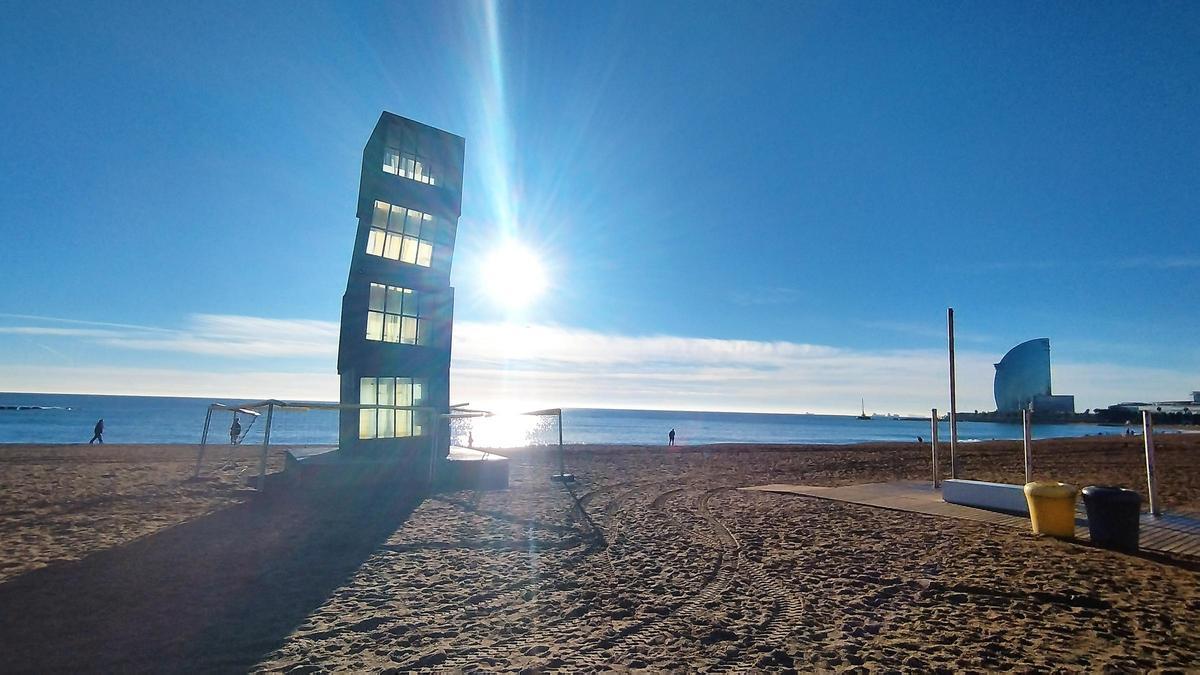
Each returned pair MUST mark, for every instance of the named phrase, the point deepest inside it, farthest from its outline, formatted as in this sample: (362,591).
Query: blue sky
(762,207)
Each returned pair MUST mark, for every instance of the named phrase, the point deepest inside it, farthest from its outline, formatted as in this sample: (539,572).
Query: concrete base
(1002,497)
(468,469)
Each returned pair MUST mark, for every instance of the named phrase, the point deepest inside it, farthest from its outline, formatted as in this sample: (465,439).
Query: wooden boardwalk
(1175,533)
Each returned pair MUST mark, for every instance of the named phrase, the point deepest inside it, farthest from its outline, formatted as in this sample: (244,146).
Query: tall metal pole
(937,468)
(262,460)
(1027,425)
(1151,473)
(562,461)
(203,442)
(953,402)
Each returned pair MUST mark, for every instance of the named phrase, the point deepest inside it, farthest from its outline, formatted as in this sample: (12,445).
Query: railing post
(1027,426)
(203,441)
(937,468)
(953,402)
(262,460)
(1151,473)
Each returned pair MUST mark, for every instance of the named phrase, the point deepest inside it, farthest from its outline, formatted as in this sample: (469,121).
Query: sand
(114,561)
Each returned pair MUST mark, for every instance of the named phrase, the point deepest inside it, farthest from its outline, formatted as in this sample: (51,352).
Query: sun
(514,275)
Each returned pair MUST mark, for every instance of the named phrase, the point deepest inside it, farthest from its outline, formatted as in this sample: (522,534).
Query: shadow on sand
(214,594)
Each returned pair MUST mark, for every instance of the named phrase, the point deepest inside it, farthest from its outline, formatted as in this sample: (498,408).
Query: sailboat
(864,415)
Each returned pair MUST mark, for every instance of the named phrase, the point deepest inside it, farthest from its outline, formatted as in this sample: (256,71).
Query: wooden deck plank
(1177,533)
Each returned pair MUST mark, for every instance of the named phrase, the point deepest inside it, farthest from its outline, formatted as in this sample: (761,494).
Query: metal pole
(562,461)
(1027,424)
(203,442)
(262,460)
(953,402)
(937,469)
(1151,473)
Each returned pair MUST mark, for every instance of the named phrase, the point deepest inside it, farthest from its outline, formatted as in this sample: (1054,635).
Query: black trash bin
(1113,514)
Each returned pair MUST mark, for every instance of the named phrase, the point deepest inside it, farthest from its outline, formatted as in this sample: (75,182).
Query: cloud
(503,365)
(1160,262)
(238,337)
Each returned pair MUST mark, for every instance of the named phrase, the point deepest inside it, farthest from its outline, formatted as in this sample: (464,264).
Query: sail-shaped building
(1023,381)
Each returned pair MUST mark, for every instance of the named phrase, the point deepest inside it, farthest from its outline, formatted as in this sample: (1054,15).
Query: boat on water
(864,415)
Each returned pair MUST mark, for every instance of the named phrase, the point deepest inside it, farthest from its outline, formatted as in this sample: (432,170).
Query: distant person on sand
(920,440)
(98,433)
(671,438)
(470,439)
(235,430)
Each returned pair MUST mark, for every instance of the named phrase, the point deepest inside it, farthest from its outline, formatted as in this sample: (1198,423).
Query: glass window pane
(410,166)
(379,214)
(391,160)
(395,300)
(387,391)
(403,423)
(375,242)
(425,254)
(396,221)
(375,300)
(386,421)
(374,325)
(366,423)
(422,332)
(391,328)
(408,331)
(418,389)
(403,391)
(366,390)
(411,307)
(391,249)
(413,224)
(408,252)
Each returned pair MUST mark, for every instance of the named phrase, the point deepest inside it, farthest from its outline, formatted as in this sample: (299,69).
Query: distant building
(1023,381)
(1183,407)
(397,312)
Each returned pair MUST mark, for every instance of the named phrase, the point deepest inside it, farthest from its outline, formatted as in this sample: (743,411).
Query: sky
(762,207)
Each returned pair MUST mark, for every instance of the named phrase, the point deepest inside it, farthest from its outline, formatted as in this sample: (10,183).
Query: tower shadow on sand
(215,594)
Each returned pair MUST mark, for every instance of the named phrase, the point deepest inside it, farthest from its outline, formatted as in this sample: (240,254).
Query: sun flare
(514,276)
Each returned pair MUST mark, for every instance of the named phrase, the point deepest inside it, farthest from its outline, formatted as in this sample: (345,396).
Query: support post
(262,459)
(1027,427)
(203,442)
(953,402)
(562,476)
(1151,473)
(937,467)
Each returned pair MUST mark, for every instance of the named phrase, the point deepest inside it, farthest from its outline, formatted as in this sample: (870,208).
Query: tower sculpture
(398,308)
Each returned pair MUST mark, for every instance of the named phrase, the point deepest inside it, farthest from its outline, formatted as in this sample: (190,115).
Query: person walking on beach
(235,430)
(671,438)
(98,432)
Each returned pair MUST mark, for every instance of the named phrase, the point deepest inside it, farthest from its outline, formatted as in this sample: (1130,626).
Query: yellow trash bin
(1052,508)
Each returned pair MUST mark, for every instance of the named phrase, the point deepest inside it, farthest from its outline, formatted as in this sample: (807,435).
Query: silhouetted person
(98,433)
(671,438)
(235,430)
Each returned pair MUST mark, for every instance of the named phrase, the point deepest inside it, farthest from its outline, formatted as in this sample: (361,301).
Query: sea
(69,418)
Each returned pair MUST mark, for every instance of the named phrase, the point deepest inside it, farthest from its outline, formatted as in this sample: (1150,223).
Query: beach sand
(112,560)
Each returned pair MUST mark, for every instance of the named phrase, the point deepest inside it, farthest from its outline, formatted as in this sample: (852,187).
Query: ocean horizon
(69,418)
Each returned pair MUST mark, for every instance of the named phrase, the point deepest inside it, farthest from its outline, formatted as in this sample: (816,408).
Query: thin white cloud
(529,366)
(210,334)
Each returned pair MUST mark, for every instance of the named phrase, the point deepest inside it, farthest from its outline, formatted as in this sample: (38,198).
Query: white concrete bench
(983,495)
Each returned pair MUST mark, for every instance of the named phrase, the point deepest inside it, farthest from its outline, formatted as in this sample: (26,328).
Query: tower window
(381,396)
(394,315)
(401,234)
(404,159)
